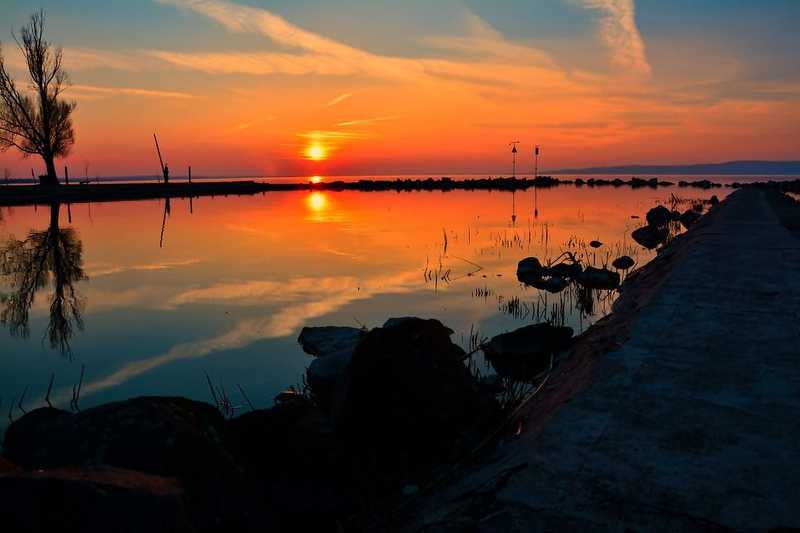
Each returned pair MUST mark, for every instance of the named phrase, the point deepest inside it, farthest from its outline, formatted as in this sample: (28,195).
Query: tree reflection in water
(51,257)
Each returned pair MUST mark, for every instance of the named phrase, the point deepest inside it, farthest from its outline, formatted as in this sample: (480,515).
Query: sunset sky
(312,87)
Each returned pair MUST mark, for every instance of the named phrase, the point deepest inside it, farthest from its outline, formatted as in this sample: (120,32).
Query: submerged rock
(659,216)
(650,236)
(623,262)
(552,284)
(595,244)
(326,340)
(565,270)
(529,269)
(525,352)
(689,218)
(599,278)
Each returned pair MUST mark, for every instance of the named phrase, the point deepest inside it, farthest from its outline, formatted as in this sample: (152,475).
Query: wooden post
(190,173)
(66,174)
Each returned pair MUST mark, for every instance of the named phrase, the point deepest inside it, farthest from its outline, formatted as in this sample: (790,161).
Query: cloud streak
(619,31)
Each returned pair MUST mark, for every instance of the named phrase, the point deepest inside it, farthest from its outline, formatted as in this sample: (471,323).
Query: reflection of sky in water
(237,279)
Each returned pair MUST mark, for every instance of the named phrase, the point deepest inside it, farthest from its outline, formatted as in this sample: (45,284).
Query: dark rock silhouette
(595,244)
(565,269)
(92,500)
(650,236)
(659,216)
(623,262)
(525,352)
(689,218)
(529,270)
(599,278)
(552,284)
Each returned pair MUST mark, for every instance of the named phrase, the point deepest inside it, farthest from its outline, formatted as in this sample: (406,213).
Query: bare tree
(37,121)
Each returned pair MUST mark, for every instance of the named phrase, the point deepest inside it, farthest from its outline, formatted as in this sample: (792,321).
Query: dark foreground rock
(158,435)
(689,218)
(412,399)
(95,500)
(524,353)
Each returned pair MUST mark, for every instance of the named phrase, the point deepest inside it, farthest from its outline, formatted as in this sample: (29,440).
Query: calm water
(224,285)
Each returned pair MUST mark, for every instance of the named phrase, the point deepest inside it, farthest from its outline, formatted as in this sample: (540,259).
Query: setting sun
(316,152)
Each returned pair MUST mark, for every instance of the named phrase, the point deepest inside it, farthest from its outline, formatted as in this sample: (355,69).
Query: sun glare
(315,179)
(316,152)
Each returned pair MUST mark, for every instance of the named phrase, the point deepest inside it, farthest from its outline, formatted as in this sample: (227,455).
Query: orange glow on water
(315,179)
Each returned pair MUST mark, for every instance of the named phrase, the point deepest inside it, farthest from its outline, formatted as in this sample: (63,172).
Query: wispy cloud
(93,91)
(339,99)
(365,121)
(618,29)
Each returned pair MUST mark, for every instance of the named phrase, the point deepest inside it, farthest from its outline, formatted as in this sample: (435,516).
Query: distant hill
(729,167)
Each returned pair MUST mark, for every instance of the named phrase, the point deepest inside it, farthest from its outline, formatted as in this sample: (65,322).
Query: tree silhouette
(49,257)
(37,121)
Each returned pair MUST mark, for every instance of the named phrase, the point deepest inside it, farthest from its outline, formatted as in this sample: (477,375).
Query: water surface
(169,291)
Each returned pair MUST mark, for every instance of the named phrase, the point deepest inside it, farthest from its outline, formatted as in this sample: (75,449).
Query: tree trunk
(52,177)
(55,211)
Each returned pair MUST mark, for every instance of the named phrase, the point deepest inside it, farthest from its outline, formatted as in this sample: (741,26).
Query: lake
(168,292)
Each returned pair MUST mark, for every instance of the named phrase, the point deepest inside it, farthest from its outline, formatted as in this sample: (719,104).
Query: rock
(659,216)
(623,262)
(329,377)
(293,453)
(565,270)
(650,236)
(157,435)
(411,396)
(674,215)
(320,341)
(6,467)
(529,269)
(94,500)
(595,244)
(551,284)
(713,200)
(525,352)
(689,218)
(599,278)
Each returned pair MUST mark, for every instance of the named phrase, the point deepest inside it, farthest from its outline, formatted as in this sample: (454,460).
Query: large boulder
(650,236)
(294,455)
(327,340)
(93,500)
(599,278)
(525,352)
(529,269)
(411,395)
(328,374)
(659,216)
(173,437)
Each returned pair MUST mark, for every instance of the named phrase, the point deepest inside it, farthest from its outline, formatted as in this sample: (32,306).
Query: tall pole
(536,161)
(66,174)
(513,145)
(160,160)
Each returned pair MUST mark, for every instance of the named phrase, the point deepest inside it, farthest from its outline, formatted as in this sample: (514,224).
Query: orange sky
(243,89)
